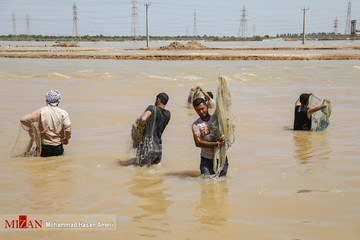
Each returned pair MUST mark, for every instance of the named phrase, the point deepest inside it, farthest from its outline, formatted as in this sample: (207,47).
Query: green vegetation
(87,38)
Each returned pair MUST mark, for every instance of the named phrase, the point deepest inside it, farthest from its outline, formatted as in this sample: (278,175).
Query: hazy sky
(173,18)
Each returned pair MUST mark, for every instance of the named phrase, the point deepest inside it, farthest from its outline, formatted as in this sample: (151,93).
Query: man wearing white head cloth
(54,125)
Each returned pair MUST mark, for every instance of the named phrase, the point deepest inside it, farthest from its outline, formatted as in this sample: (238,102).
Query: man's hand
(220,143)
(65,141)
(325,102)
(138,126)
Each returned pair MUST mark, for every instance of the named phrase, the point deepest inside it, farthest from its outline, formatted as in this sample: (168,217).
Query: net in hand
(148,148)
(28,141)
(320,119)
(223,125)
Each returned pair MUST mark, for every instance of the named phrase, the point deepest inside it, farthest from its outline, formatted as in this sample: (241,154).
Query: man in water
(208,96)
(54,125)
(204,137)
(302,118)
(155,125)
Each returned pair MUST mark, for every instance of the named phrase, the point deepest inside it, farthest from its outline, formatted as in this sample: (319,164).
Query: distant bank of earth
(175,51)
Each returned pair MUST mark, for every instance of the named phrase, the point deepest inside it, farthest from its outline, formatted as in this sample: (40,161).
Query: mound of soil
(178,46)
(194,45)
(66,44)
(172,46)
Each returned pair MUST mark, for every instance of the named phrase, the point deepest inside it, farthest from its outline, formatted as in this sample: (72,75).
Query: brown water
(281,184)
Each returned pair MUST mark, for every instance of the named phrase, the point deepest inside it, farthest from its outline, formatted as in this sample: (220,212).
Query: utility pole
(195,29)
(348,19)
(147,22)
(27,24)
(336,24)
(304,9)
(134,18)
(14,24)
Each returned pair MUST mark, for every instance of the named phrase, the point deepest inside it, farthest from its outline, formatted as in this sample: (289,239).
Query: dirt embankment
(183,56)
(194,45)
(66,44)
(53,48)
(192,51)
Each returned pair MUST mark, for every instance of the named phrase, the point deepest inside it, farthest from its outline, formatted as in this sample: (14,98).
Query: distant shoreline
(178,54)
(101,38)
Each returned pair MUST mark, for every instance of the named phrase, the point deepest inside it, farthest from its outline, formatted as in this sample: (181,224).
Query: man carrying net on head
(152,125)
(50,124)
(198,92)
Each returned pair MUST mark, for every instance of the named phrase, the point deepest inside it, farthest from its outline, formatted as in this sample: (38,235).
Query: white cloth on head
(53,97)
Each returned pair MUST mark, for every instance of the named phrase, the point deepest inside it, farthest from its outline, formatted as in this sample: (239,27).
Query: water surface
(281,184)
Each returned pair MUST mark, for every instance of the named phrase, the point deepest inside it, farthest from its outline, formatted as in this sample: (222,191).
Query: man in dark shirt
(155,120)
(302,118)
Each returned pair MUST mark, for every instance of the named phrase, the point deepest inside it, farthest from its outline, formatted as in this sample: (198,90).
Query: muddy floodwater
(281,184)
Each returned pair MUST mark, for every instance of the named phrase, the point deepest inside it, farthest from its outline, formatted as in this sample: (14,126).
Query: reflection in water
(51,183)
(310,190)
(311,146)
(212,210)
(312,150)
(128,162)
(303,146)
(183,174)
(150,188)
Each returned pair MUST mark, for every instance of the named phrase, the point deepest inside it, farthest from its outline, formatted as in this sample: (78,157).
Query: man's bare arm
(144,117)
(199,142)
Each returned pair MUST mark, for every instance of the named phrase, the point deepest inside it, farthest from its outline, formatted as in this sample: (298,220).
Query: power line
(75,21)
(134,16)
(243,28)
(336,25)
(27,25)
(194,28)
(14,24)
(348,19)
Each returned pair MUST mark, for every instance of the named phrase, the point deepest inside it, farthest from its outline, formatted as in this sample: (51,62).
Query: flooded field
(281,184)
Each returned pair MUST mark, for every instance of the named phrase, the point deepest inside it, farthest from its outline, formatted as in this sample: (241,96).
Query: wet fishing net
(223,125)
(146,143)
(28,141)
(136,133)
(194,94)
(320,119)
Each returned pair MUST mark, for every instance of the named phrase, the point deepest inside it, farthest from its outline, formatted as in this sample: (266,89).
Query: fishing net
(136,133)
(223,125)
(28,141)
(194,94)
(148,148)
(320,119)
